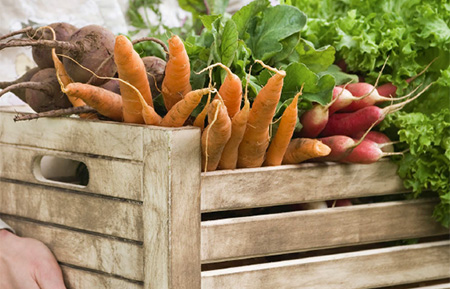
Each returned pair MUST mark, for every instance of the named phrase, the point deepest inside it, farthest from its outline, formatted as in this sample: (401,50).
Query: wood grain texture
(81,279)
(111,177)
(290,184)
(97,214)
(363,269)
(85,250)
(172,209)
(103,138)
(316,229)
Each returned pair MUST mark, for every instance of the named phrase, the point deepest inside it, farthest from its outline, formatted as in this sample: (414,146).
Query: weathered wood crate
(148,217)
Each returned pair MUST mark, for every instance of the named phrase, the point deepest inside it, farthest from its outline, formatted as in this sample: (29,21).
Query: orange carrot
(104,101)
(176,83)
(131,69)
(302,149)
(230,90)
(253,147)
(61,72)
(229,156)
(64,80)
(280,142)
(150,116)
(200,119)
(180,112)
(216,135)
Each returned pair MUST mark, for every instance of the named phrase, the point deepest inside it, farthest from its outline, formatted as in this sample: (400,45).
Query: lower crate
(148,218)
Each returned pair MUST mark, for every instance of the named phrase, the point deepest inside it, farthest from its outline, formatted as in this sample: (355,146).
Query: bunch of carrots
(235,133)
(232,137)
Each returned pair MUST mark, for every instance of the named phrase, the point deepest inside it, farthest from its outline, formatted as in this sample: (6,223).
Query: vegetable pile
(266,86)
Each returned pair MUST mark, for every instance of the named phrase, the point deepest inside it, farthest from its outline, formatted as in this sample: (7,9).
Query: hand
(27,264)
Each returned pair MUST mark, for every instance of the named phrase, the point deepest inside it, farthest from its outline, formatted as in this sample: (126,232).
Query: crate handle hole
(61,170)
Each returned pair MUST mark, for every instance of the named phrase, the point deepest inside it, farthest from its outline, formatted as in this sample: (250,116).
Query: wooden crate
(138,222)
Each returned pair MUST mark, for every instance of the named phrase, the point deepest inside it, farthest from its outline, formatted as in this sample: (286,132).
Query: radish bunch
(345,123)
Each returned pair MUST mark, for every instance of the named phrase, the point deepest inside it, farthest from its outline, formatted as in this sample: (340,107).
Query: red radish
(379,138)
(342,97)
(314,120)
(362,119)
(367,152)
(339,203)
(367,93)
(351,122)
(340,146)
(343,203)
(390,90)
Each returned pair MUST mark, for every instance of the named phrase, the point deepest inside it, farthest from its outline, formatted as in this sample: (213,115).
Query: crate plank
(363,269)
(437,286)
(97,214)
(106,175)
(104,138)
(81,279)
(172,209)
(290,184)
(94,252)
(316,229)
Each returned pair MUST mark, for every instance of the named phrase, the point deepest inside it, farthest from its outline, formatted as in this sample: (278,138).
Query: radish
(314,120)
(367,152)
(366,93)
(343,99)
(339,203)
(379,138)
(340,146)
(390,90)
(362,119)
(88,48)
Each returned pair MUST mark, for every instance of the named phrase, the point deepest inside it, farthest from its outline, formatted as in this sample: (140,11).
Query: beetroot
(19,92)
(91,46)
(156,68)
(42,92)
(42,55)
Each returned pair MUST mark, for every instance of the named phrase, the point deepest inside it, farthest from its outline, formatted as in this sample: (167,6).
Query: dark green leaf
(275,24)
(316,89)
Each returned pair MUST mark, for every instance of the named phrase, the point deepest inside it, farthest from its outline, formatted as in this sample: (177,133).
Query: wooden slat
(103,138)
(94,252)
(80,279)
(172,209)
(289,184)
(437,286)
(363,269)
(97,214)
(117,178)
(245,237)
